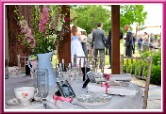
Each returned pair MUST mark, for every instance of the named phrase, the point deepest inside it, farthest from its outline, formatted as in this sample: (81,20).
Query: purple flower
(44,19)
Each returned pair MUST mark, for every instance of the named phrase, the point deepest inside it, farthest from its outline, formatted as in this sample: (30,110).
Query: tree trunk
(14,46)
(64,47)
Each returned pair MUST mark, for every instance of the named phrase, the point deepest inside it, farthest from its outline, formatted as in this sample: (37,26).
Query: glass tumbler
(42,82)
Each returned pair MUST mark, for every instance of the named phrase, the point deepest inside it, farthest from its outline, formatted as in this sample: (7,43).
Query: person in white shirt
(89,41)
(84,43)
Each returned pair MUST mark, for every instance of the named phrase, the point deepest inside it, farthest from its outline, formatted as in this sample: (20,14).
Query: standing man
(109,40)
(129,41)
(98,40)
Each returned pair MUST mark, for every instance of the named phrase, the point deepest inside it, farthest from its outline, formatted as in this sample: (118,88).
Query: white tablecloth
(117,102)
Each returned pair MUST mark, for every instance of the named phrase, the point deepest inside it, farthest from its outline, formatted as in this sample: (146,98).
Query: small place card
(91,76)
(65,89)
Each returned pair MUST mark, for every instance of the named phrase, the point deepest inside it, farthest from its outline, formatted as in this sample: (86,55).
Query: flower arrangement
(47,28)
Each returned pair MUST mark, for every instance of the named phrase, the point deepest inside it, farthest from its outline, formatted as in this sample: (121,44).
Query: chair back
(140,68)
(90,62)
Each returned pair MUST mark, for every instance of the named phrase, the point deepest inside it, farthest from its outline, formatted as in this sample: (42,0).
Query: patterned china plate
(13,102)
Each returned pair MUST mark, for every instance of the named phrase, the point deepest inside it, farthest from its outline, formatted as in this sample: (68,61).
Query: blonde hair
(74,29)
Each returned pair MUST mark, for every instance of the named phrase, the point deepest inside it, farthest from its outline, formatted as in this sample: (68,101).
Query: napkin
(118,90)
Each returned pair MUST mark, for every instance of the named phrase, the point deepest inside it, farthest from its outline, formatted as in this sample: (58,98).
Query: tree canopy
(130,14)
(87,16)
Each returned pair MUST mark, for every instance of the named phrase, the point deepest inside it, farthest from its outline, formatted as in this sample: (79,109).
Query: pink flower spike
(29,33)
(29,40)
(24,29)
(42,27)
(33,45)
(46,12)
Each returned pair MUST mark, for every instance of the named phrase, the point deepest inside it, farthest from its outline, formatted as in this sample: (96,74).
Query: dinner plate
(19,75)
(13,102)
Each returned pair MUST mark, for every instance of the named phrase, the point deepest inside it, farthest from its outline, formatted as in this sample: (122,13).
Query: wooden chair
(141,69)
(88,61)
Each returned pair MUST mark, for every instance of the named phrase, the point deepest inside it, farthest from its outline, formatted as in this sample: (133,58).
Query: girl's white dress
(76,49)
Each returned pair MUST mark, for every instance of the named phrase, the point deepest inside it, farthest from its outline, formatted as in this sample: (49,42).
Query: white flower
(54,36)
(59,27)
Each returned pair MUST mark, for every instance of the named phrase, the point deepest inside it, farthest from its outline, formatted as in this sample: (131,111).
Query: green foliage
(33,57)
(87,16)
(130,14)
(156,75)
(155,36)
(156,66)
(156,56)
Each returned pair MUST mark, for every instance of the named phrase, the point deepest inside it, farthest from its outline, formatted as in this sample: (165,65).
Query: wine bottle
(63,66)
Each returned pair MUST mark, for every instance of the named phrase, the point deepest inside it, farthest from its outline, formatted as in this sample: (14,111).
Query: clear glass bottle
(42,82)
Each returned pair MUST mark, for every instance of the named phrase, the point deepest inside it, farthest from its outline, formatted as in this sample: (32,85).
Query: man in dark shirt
(129,41)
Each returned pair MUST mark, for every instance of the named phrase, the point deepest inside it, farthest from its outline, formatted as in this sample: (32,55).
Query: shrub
(156,66)
(156,75)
